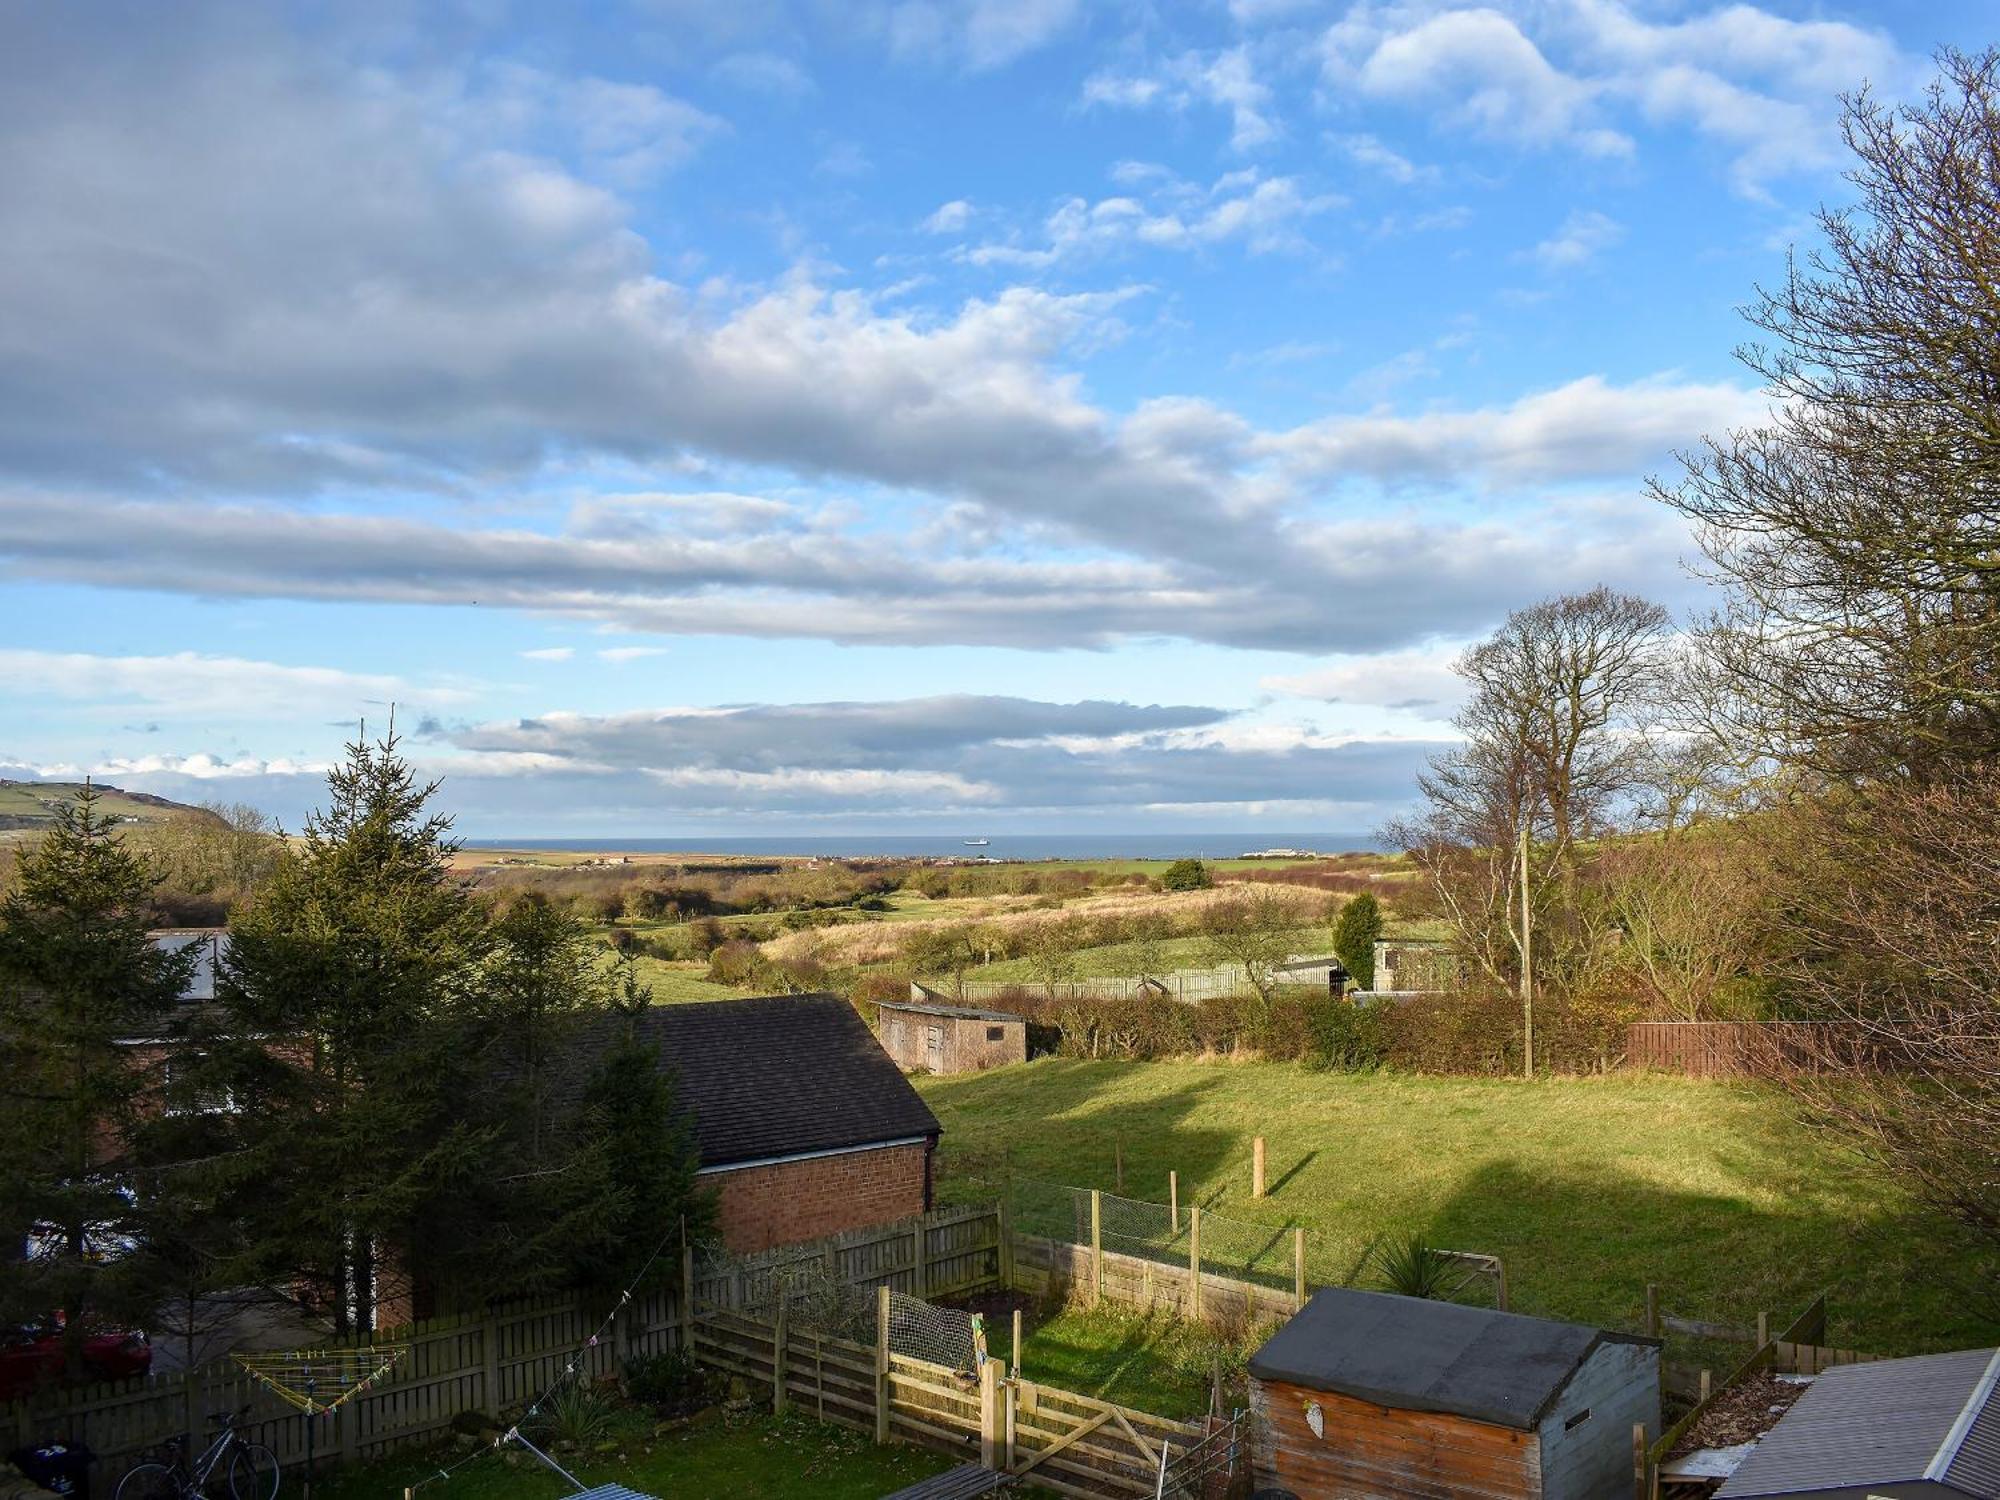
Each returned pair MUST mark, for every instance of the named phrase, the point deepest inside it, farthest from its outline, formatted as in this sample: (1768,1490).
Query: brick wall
(760,1207)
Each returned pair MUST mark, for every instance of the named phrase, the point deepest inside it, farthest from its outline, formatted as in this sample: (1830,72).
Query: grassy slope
(1589,1188)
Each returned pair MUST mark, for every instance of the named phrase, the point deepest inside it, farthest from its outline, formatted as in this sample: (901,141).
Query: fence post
(1257,1167)
(1006,1246)
(780,1336)
(1173,1204)
(1015,1347)
(923,1271)
(1763,1329)
(989,1413)
(1118,1164)
(1096,1246)
(1194,1261)
(687,1294)
(881,1364)
(1652,1309)
(1298,1269)
(1639,1460)
(1012,1396)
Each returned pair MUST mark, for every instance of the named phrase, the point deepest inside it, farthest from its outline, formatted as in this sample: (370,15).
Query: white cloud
(1582,237)
(623,654)
(189,684)
(1263,214)
(550,653)
(948,218)
(976,34)
(1366,151)
(1226,79)
(1420,681)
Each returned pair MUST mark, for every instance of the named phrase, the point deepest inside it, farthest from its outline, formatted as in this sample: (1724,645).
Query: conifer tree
(364,953)
(1355,932)
(78,979)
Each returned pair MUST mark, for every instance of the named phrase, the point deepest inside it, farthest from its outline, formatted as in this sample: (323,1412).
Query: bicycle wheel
(150,1482)
(253,1473)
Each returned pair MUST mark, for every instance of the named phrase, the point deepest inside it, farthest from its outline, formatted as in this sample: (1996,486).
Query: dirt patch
(1745,1411)
(994,1307)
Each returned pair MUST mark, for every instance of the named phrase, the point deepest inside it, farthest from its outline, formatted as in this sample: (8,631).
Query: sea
(1018,846)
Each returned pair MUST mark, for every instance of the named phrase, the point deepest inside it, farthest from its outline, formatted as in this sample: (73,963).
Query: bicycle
(227,1469)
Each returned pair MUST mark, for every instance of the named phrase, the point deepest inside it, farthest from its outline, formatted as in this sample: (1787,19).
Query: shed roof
(784,1075)
(1417,1355)
(950,1012)
(1933,1418)
(1330,961)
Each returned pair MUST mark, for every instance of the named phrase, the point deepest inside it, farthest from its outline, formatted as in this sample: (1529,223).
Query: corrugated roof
(777,1076)
(1418,1355)
(953,1012)
(1895,1421)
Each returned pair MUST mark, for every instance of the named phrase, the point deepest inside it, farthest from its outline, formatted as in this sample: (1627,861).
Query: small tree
(1186,875)
(1052,949)
(1255,931)
(1355,932)
(78,980)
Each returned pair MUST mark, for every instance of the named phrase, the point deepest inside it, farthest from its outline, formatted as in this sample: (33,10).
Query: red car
(32,1356)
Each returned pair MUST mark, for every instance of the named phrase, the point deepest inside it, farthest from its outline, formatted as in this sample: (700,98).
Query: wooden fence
(1738,1049)
(1063,1441)
(1188,986)
(1045,1267)
(489,1362)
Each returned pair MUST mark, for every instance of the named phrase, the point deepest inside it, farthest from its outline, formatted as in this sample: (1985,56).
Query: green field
(1589,1188)
(1124,958)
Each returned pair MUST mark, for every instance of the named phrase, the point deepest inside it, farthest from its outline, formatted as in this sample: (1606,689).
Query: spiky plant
(1409,1267)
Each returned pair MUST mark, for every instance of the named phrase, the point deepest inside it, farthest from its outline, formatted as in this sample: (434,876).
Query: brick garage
(803,1125)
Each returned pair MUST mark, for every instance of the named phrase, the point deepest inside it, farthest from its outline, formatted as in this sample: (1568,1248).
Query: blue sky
(818,417)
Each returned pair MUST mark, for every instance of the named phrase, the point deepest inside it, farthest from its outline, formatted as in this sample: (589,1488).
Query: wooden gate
(1079,1445)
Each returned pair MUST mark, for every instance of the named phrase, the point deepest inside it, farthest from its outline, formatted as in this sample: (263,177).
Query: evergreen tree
(366,954)
(78,978)
(1355,932)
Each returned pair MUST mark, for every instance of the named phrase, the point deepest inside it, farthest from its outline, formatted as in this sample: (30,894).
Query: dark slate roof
(949,1012)
(776,1076)
(1499,1368)
(1894,1422)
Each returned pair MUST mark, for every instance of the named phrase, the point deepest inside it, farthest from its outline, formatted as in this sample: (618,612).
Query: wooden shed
(1369,1394)
(951,1038)
(1925,1428)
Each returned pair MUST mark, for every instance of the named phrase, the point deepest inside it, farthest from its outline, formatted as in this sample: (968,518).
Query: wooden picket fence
(1741,1049)
(492,1361)
(1044,1267)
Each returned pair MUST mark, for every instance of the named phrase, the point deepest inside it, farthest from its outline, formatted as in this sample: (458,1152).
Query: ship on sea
(975,843)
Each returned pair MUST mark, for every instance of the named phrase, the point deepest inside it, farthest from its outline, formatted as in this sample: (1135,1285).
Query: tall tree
(364,951)
(1857,531)
(79,980)
(1355,932)
(1256,931)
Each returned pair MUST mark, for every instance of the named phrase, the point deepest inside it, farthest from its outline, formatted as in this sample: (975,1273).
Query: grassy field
(1589,1188)
(1123,958)
(785,1458)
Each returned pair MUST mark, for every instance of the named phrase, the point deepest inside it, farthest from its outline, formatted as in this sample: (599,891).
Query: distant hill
(26,806)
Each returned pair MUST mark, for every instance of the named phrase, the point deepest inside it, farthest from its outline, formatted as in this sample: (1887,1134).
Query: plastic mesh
(923,1330)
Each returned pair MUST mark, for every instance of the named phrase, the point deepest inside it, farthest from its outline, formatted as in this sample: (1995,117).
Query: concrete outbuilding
(1366,1393)
(938,1038)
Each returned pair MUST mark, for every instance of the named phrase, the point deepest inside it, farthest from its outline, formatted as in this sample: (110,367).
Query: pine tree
(78,978)
(365,954)
(1355,932)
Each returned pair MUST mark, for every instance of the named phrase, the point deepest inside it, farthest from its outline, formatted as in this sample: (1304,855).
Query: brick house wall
(780,1203)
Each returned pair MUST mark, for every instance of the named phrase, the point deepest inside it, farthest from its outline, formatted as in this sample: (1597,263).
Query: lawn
(784,1458)
(1589,1188)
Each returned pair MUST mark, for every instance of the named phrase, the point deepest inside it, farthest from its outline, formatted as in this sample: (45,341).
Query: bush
(1348,1037)
(1410,1268)
(672,1383)
(1186,875)
(736,962)
(575,1417)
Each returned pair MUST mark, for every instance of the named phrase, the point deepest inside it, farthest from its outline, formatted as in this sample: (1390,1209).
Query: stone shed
(1366,1393)
(938,1038)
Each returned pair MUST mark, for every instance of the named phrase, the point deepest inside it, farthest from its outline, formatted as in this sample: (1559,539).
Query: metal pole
(310,1414)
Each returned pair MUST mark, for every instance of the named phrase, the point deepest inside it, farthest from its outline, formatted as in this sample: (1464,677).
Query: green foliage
(672,1382)
(576,1416)
(1409,1267)
(1347,1036)
(1355,932)
(78,978)
(1186,875)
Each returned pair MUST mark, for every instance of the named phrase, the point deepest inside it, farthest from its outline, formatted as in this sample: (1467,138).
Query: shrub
(624,939)
(576,1416)
(1186,875)
(736,962)
(1348,1037)
(1410,1268)
(705,936)
(672,1382)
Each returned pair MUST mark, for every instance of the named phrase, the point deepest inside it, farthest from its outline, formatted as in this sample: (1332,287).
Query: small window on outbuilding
(995,1033)
(1570,1424)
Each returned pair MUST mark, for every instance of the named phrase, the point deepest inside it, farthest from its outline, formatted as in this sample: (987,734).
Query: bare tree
(1052,949)
(1857,531)
(1555,746)
(1256,931)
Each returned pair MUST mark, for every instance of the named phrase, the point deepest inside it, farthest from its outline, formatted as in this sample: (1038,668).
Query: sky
(891,415)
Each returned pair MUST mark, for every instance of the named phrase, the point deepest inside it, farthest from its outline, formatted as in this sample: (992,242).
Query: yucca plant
(576,1416)
(1409,1267)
